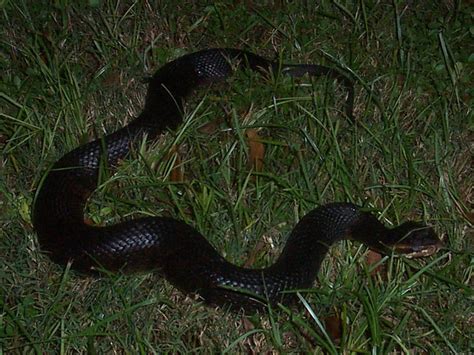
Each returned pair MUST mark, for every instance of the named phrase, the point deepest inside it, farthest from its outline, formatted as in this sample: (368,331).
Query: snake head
(414,239)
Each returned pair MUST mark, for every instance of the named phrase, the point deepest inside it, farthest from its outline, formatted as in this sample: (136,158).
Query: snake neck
(315,233)
(305,250)
(301,258)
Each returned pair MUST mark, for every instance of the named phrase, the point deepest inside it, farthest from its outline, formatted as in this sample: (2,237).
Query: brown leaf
(333,326)
(253,254)
(470,217)
(256,149)
(176,172)
(247,325)
(112,79)
(89,221)
(373,258)
(211,126)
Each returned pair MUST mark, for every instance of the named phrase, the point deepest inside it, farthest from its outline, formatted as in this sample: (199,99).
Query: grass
(73,72)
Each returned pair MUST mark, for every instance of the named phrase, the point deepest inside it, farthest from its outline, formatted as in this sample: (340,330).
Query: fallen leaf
(256,149)
(373,258)
(112,79)
(333,327)
(89,221)
(211,126)
(253,254)
(176,171)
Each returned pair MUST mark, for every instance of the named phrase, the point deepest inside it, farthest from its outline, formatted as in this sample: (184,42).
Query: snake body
(177,250)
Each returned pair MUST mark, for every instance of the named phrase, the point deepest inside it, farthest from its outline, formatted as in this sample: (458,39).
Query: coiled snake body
(180,252)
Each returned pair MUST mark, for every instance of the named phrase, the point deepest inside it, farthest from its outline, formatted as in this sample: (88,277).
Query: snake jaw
(414,240)
(411,252)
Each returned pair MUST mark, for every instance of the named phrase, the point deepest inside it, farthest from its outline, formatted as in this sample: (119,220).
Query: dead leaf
(333,325)
(177,174)
(211,126)
(112,79)
(373,258)
(253,254)
(256,149)
(89,221)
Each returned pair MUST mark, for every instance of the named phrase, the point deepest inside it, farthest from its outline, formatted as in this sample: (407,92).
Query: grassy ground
(73,72)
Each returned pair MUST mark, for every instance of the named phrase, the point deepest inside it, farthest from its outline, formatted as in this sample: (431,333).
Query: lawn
(72,72)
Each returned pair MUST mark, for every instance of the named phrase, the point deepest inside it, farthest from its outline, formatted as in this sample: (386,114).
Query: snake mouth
(412,251)
(414,240)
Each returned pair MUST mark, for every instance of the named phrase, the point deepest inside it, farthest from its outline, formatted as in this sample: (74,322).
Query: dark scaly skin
(176,249)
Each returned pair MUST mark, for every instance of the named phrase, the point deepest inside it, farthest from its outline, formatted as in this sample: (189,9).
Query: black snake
(177,250)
